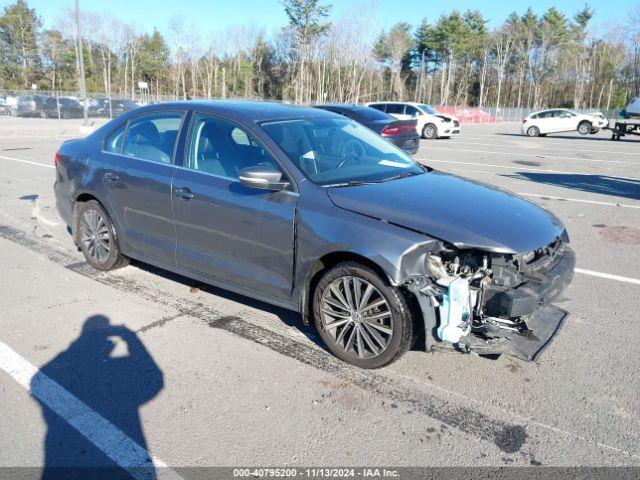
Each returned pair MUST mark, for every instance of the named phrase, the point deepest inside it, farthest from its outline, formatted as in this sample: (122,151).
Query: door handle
(111,177)
(184,193)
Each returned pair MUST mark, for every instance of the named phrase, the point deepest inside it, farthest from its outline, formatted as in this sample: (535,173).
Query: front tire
(429,131)
(584,128)
(361,318)
(96,237)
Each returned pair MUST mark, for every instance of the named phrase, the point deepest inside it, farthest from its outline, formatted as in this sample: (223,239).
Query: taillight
(524,121)
(390,131)
(56,159)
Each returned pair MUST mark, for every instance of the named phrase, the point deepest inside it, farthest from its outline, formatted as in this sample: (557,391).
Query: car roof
(351,107)
(247,110)
(413,104)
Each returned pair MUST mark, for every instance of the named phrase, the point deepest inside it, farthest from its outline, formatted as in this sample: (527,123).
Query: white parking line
(563,141)
(579,200)
(546,157)
(533,146)
(26,161)
(116,444)
(519,168)
(608,276)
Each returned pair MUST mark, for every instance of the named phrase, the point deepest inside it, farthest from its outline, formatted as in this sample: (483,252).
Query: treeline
(529,61)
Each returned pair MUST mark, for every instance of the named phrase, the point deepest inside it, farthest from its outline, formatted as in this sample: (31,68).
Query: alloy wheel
(94,235)
(584,128)
(430,131)
(357,317)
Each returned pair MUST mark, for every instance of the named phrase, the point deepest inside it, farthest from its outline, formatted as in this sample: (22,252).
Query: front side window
(428,109)
(153,137)
(332,151)
(412,111)
(222,148)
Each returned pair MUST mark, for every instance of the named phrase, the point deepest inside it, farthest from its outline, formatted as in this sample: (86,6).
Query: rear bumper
(64,205)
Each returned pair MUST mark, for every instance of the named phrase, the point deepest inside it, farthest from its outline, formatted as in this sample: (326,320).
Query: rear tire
(533,131)
(584,128)
(375,324)
(96,237)
(429,131)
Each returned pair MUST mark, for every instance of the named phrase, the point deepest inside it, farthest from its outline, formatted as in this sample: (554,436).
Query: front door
(137,173)
(225,230)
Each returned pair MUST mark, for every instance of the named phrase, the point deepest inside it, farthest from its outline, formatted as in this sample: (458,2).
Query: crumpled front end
(490,303)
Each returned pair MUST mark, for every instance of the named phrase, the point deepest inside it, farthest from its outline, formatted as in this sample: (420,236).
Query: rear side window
(379,106)
(113,143)
(396,108)
(153,137)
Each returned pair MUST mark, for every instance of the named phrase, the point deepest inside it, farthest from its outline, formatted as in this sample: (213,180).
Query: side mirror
(264,178)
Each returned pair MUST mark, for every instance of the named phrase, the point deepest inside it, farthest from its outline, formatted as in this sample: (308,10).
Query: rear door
(546,121)
(224,229)
(138,169)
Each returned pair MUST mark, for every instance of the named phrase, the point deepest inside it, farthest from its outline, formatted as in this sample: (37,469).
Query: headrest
(145,132)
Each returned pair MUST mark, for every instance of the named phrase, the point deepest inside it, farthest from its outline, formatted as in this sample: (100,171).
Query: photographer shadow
(108,369)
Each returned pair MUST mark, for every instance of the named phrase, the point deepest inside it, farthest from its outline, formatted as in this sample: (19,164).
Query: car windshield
(428,109)
(338,151)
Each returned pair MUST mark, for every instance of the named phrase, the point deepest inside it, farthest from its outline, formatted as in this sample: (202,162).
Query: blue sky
(217,15)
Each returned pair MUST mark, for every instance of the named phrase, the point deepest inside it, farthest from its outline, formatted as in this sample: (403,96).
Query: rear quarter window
(113,142)
(378,106)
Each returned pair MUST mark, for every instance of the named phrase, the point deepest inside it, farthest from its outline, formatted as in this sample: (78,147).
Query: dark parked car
(100,107)
(62,108)
(311,211)
(401,133)
(30,106)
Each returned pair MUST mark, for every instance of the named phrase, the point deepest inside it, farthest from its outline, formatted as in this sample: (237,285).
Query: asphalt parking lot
(225,380)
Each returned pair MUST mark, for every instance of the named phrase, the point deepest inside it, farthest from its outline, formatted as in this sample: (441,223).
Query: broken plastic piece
(454,310)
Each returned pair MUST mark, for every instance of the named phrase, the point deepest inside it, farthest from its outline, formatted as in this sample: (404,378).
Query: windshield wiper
(352,183)
(402,175)
(355,183)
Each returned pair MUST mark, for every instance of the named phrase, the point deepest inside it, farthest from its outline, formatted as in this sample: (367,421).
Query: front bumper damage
(492,304)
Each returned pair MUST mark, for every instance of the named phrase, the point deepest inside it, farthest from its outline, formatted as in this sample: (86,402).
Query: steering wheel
(351,150)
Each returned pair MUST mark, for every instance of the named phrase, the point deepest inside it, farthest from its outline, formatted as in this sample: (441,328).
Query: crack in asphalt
(508,437)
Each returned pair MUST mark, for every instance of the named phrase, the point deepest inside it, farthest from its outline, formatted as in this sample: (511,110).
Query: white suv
(562,120)
(430,122)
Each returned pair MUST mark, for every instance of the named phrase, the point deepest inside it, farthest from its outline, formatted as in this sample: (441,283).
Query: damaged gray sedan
(313,212)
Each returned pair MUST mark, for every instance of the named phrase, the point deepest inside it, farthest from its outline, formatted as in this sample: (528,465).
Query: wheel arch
(325,263)
(86,196)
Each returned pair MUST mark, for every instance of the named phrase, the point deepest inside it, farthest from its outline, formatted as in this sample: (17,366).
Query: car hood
(465,213)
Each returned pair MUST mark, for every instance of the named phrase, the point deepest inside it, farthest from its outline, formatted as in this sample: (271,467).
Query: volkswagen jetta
(308,210)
